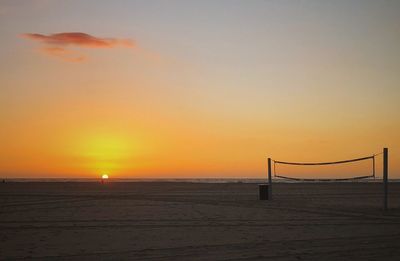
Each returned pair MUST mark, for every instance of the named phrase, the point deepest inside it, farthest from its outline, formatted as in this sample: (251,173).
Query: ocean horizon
(190,180)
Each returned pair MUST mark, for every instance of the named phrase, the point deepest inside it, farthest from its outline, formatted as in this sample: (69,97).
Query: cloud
(80,39)
(57,45)
(64,54)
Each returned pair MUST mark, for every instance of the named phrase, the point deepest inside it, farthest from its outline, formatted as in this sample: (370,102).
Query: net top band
(323,163)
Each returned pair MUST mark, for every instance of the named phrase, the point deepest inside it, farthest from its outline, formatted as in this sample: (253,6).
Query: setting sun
(104,176)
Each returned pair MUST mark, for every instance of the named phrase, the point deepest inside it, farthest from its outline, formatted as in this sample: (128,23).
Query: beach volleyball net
(342,170)
(367,172)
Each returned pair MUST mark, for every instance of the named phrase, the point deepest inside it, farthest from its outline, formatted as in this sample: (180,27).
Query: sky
(196,89)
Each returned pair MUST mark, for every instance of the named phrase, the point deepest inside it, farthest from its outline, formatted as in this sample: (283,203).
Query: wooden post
(373,166)
(269,180)
(385,178)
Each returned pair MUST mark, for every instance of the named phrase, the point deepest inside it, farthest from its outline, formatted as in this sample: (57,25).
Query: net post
(269,180)
(385,178)
(373,166)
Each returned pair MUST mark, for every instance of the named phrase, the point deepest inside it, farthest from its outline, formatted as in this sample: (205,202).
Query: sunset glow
(186,89)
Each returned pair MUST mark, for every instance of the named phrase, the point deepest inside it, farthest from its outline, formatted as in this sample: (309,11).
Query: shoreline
(185,180)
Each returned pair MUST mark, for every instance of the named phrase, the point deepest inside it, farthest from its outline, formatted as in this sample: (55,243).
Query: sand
(197,221)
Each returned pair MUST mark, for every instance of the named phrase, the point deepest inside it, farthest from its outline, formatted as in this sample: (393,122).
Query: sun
(104,176)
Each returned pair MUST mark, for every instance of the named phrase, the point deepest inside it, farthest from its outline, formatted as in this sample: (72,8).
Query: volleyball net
(367,172)
(342,170)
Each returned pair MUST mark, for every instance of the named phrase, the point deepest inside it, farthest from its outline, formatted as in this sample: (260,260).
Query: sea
(190,180)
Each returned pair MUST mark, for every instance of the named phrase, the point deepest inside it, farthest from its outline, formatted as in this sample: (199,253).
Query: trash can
(263,190)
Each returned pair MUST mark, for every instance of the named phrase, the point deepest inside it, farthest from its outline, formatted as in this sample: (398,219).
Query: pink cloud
(57,45)
(64,54)
(80,39)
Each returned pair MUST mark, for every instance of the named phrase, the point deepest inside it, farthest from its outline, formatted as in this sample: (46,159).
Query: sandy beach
(197,221)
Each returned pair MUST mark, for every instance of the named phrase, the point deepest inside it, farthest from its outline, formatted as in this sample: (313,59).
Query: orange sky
(158,91)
